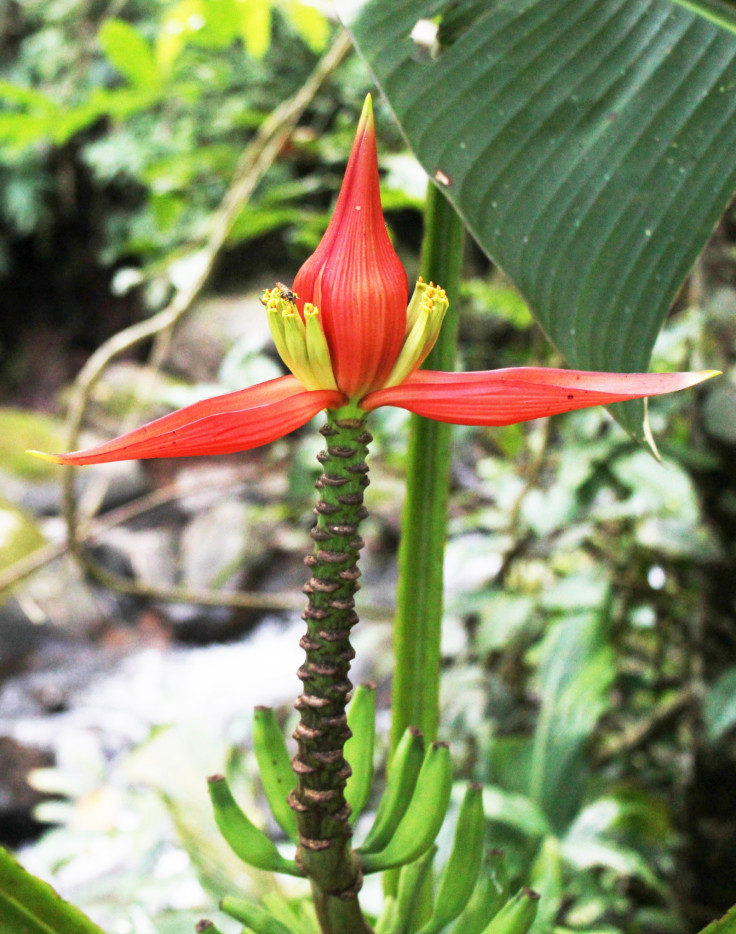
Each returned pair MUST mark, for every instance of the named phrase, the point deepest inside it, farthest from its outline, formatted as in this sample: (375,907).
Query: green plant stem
(324,850)
(417,629)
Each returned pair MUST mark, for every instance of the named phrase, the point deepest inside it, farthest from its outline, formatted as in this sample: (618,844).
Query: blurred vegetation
(590,657)
(119,135)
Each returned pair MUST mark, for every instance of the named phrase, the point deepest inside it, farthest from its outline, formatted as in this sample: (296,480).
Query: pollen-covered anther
(300,339)
(424,318)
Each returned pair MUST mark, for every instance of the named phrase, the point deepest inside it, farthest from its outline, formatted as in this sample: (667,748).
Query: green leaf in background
(577,667)
(719,705)
(726,925)
(30,906)
(587,144)
(309,23)
(129,52)
(255,26)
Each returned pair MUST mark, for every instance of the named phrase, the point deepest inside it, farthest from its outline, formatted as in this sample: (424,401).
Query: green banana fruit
(516,916)
(411,884)
(359,748)
(402,778)
(206,927)
(387,921)
(423,817)
(274,766)
(489,896)
(253,916)
(461,870)
(246,840)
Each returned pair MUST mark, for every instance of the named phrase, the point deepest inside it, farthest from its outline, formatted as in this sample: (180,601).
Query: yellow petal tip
(366,115)
(51,458)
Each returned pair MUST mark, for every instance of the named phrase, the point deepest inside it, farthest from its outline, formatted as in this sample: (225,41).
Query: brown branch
(254,164)
(20,570)
(662,719)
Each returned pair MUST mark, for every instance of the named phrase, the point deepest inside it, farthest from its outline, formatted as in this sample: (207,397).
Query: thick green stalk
(417,630)
(324,850)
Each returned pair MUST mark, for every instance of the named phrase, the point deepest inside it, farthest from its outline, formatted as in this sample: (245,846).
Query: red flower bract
(355,277)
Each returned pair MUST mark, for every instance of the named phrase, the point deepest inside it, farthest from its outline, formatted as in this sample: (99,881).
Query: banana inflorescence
(471,893)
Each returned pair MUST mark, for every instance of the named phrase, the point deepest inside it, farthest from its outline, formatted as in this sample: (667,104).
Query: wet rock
(147,555)
(111,485)
(59,597)
(131,390)
(223,545)
(17,797)
(204,336)
(19,637)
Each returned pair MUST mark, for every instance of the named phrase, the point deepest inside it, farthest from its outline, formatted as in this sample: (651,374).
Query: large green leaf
(577,666)
(587,144)
(726,925)
(30,906)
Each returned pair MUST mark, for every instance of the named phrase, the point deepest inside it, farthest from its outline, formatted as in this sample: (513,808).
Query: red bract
(349,340)
(356,279)
(519,394)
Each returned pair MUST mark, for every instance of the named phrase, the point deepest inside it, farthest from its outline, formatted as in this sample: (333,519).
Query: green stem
(417,630)
(324,850)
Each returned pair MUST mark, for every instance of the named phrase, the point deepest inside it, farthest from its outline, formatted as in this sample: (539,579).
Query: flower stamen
(301,342)
(424,318)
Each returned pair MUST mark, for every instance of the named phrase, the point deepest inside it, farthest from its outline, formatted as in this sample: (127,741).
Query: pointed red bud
(355,277)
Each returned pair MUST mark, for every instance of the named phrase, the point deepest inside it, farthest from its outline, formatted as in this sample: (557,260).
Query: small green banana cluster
(471,895)
(462,905)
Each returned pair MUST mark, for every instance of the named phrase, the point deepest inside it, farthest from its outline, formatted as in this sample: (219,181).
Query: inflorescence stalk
(319,801)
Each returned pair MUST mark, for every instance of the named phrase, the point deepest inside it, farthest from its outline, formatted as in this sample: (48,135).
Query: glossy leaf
(725,925)
(29,905)
(587,144)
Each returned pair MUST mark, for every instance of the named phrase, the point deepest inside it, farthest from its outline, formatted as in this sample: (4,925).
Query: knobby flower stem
(319,801)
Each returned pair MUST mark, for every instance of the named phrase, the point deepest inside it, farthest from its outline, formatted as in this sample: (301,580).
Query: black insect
(286,292)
